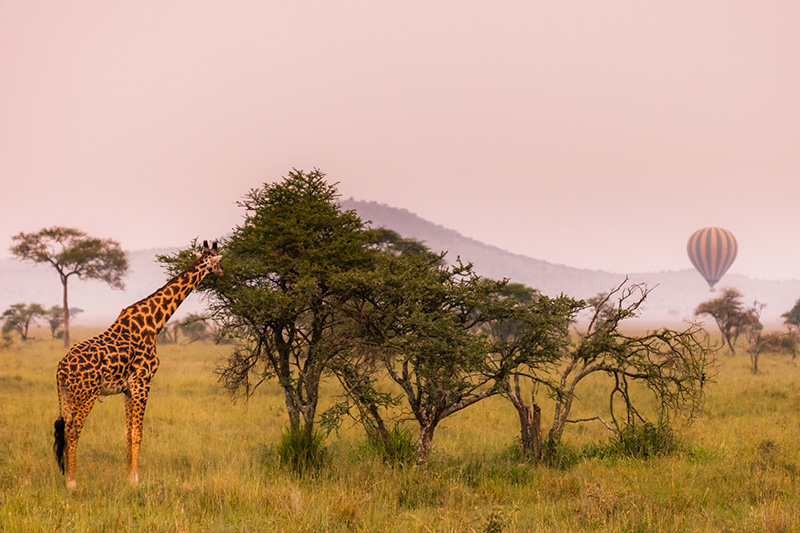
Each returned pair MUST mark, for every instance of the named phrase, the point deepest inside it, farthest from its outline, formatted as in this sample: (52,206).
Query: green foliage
(671,366)
(729,312)
(73,253)
(792,316)
(301,454)
(55,319)
(641,441)
(19,317)
(310,292)
(282,292)
(195,328)
(400,448)
(558,456)
(420,318)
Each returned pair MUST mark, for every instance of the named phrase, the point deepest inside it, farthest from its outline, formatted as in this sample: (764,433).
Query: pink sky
(593,134)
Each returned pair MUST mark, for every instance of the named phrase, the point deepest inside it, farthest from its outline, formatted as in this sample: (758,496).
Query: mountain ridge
(674,297)
(675,293)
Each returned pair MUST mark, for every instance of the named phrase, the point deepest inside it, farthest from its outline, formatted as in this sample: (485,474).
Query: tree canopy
(281,293)
(311,292)
(71,252)
(19,317)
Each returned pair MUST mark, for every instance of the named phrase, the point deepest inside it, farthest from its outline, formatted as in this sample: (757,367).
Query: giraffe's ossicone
(120,360)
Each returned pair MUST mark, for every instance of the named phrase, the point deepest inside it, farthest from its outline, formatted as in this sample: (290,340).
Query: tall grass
(203,467)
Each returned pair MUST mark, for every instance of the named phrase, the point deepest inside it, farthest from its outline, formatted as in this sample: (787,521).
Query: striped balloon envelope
(712,251)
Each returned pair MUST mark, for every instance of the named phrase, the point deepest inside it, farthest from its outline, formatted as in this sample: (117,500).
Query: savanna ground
(208,464)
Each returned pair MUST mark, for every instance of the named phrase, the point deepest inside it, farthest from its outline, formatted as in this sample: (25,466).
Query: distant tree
(55,318)
(195,328)
(19,318)
(791,319)
(777,342)
(73,253)
(752,328)
(729,313)
(168,334)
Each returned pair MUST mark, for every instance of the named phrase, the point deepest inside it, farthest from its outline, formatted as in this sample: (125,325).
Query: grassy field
(206,463)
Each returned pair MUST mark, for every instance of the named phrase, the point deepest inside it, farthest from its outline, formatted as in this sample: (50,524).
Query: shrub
(299,453)
(401,447)
(642,441)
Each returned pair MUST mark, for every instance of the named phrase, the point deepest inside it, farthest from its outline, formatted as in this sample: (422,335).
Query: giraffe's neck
(157,308)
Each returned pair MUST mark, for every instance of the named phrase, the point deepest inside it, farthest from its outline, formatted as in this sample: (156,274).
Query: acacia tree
(529,338)
(791,319)
(359,371)
(420,317)
(729,313)
(73,253)
(19,318)
(195,328)
(281,295)
(55,318)
(672,365)
(753,328)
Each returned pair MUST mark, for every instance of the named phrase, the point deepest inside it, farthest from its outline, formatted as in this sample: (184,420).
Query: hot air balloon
(712,251)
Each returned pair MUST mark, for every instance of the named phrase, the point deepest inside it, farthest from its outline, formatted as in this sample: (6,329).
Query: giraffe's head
(211,258)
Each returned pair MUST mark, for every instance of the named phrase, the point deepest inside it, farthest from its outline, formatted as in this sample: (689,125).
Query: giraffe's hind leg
(135,401)
(72,430)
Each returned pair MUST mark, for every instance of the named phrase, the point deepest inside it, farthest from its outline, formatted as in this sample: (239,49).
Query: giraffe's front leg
(135,402)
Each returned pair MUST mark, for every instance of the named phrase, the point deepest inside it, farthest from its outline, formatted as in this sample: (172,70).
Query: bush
(642,441)
(401,448)
(556,455)
(298,453)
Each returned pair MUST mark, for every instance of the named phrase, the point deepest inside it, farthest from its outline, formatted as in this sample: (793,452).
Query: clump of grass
(401,447)
(300,453)
(556,455)
(641,441)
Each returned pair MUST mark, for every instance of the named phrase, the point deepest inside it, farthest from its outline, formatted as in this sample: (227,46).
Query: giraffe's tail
(60,443)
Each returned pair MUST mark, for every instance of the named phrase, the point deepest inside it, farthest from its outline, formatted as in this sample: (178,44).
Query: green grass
(205,464)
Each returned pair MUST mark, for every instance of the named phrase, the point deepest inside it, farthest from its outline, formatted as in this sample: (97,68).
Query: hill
(675,296)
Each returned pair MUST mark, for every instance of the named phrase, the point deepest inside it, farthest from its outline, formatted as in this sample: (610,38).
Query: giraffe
(123,360)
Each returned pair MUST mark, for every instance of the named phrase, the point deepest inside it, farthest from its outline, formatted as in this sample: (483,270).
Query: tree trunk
(530,421)
(66,313)
(308,423)
(560,419)
(425,442)
(532,432)
(292,409)
(309,409)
